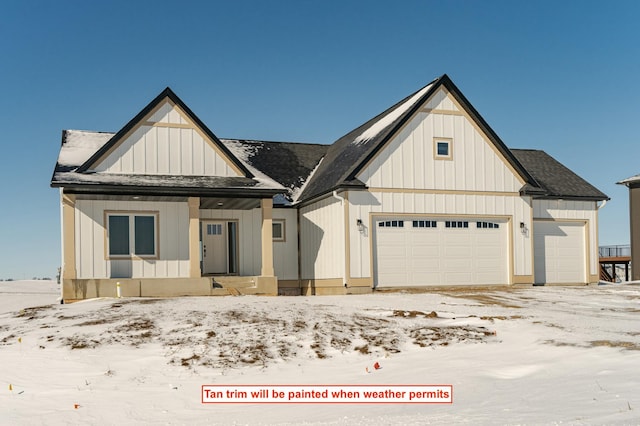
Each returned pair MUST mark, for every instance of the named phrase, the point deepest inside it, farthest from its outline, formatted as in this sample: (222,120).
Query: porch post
(194,237)
(68,236)
(266,205)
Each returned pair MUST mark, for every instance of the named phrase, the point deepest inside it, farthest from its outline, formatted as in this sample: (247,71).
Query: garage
(559,252)
(424,251)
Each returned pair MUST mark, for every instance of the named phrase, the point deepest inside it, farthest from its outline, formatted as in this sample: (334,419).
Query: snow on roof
(388,119)
(79,145)
(297,192)
(244,152)
(627,181)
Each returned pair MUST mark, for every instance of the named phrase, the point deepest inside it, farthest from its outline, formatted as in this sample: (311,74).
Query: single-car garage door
(440,251)
(560,252)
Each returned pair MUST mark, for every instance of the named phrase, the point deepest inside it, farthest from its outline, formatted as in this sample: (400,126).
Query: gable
(167,142)
(408,160)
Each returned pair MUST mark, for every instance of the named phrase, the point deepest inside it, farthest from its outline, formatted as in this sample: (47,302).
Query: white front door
(214,248)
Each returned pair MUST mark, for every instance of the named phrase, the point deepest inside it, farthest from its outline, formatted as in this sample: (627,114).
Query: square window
(277,228)
(131,234)
(443,149)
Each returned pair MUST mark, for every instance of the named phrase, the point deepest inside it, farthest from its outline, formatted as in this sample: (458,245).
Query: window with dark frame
(132,234)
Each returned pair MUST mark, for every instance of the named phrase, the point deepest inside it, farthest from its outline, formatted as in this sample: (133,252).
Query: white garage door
(430,251)
(559,252)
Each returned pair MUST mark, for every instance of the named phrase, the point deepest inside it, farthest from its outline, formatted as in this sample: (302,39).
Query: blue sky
(561,76)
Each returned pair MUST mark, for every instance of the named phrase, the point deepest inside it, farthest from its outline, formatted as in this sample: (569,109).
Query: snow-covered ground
(542,355)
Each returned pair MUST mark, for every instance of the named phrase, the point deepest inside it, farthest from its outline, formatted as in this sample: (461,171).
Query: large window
(132,234)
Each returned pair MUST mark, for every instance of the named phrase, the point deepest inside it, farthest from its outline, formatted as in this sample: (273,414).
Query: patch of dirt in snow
(255,334)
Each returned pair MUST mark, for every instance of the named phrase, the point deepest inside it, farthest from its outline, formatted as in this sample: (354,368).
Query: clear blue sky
(561,76)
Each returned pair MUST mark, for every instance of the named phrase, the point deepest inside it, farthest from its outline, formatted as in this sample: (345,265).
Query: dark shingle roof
(349,154)
(288,163)
(556,179)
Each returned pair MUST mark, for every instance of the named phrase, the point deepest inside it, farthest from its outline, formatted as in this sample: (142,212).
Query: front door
(214,248)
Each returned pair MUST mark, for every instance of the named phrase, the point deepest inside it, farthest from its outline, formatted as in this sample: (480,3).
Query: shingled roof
(556,179)
(349,154)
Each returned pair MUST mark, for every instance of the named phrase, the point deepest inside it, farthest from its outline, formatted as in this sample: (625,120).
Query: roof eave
(165,191)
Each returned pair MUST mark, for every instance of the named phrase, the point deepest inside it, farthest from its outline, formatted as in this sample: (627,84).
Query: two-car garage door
(425,251)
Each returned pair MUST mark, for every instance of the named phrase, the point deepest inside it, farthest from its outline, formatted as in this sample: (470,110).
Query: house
(423,194)
(633,183)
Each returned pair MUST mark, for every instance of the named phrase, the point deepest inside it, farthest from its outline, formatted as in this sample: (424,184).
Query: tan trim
(484,135)
(523,279)
(594,278)
(189,125)
(194,237)
(327,282)
(597,244)
(169,125)
(68,236)
(442,192)
(449,141)
(283,224)
(131,256)
(289,284)
(347,238)
(266,206)
(441,215)
(510,246)
(442,111)
(360,282)
(532,241)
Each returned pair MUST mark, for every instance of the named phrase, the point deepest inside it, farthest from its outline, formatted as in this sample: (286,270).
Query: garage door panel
(559,252)
(440,255)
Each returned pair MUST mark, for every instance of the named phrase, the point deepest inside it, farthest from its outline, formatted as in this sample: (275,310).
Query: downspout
(344,270)
(604,203)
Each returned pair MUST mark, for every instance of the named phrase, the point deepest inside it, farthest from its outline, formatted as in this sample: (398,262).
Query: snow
(244,152)
(559,355)
(297,192)
(388,119)
(80,145)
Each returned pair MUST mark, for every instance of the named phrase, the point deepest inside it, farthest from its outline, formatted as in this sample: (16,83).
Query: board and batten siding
(285,254)
(157,148)
(173,241)
(408,160)
(572,210)
(322,240)
(366,205)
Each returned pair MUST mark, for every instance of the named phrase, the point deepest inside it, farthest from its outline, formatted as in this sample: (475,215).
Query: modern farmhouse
(424,194)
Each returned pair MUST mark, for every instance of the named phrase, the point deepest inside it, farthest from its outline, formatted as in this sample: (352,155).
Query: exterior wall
(574,210)
(322,240)
(364,205)
(249,235)
(285,253)
(634,217)
(90,239)
(408,161)
(167,144)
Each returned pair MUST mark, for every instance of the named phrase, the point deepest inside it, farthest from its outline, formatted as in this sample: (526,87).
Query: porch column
(266,205)
(68,236)
(194,237)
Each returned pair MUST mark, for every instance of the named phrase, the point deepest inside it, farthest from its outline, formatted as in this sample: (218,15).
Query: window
(442,148)
(132,234)
(488,225)
(277,228)
(391,224)
(214,229)
(456,224)
(425,224)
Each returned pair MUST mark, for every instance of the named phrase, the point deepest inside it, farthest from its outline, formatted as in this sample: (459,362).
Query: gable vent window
(391,224)
(456,224)
(442,148)
(487,225)
(425,224)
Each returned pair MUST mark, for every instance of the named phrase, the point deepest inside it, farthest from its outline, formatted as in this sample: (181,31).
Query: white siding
(408,159)
(163,150)
(173,241)
(574,210)
(322,239)
(363,205)
(285,253)
(441,101)
(249,236)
